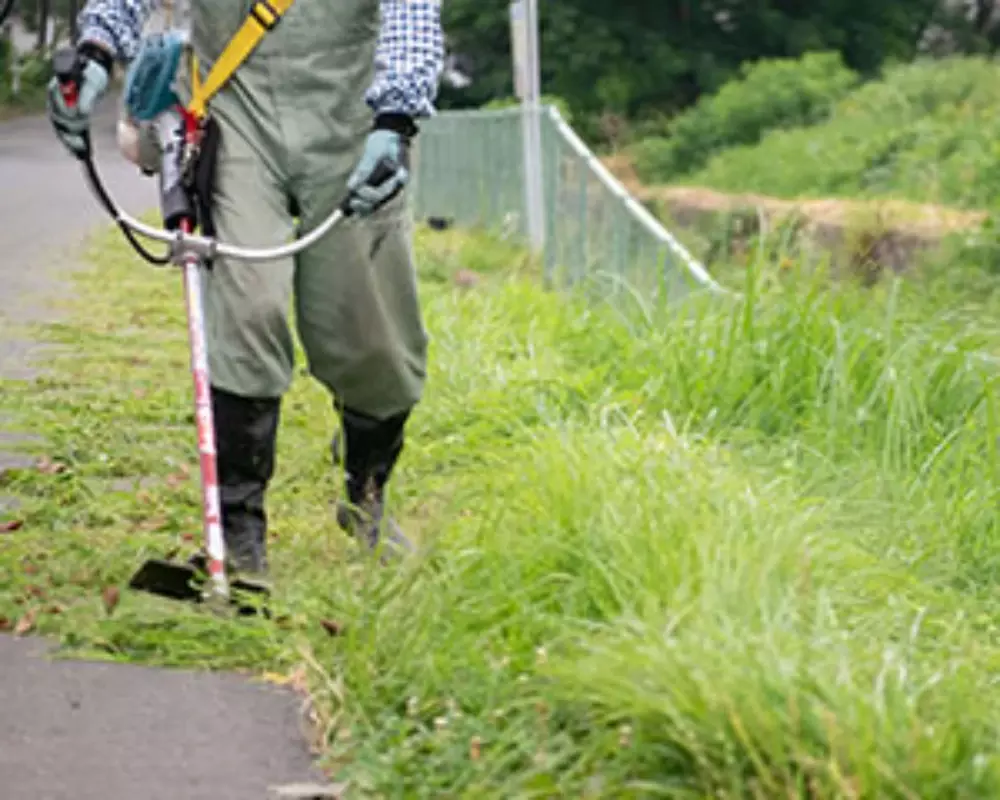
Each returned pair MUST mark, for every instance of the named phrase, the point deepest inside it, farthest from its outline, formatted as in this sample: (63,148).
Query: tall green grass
(733,548)
(769,94)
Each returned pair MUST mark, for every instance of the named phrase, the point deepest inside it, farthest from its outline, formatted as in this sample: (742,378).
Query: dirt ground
(909,225)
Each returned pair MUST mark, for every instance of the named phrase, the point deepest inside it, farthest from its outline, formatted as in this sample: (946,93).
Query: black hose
(109,205)
(68,68)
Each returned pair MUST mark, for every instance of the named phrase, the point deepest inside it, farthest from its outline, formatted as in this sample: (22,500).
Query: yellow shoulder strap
(263,16)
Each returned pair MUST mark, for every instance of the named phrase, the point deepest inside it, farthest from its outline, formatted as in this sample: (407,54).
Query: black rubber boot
(369,449)
(246,431)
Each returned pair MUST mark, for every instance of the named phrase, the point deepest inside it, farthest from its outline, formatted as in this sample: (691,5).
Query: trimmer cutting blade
(189,582)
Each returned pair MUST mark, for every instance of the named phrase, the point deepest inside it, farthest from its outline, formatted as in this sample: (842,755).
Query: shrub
(771,93)
(926,132)
(34,74)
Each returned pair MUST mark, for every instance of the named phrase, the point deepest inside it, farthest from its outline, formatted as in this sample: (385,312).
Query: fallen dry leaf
(110,596)
(27,623)
(332,627)
(5,624)
(49,467)
(467,279)
(81,578)
(300,679)
(55,608)
(276,678)
(177,479)
(11,525)
(187,537)
(34,590)
(152,524)
(475,748)
(296,679)
(29,568)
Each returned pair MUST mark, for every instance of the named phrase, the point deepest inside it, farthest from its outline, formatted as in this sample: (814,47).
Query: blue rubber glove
(384,168)
(73,124)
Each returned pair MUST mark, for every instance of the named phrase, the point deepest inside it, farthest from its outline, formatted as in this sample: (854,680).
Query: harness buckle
(266,14)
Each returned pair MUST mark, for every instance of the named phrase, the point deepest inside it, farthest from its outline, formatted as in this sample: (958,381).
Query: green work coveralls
(294,121)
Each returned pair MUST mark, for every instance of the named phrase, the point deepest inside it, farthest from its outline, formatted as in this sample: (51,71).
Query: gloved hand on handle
(72,120)
(384,168)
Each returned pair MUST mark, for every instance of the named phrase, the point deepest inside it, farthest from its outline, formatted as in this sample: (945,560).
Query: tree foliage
(767,94)
(642,57)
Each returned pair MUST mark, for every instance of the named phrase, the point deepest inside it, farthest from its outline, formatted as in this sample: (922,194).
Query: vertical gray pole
(43,25)
(74,10)
(524,30)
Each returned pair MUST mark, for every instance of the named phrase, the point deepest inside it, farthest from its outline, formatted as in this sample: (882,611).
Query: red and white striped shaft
(211,507)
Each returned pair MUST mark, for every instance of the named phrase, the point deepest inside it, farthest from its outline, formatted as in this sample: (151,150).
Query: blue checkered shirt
(408,59)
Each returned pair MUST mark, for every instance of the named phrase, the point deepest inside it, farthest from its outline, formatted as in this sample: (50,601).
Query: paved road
(72,730)
(45,204)
(88,731)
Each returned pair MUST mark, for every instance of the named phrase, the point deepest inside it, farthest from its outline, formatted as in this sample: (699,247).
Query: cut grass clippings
(746,548)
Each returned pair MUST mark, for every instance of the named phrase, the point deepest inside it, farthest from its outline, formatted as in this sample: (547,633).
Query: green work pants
(293,123)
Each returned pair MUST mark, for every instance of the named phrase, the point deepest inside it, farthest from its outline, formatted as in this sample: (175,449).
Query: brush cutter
(179,132)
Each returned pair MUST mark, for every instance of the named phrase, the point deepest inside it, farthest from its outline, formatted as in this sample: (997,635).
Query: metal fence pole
(527,82)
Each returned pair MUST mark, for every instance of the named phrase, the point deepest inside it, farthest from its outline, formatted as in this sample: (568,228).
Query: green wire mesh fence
(469,170)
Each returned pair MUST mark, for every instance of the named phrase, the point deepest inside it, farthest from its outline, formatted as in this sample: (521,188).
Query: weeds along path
(743,548)
(93,731)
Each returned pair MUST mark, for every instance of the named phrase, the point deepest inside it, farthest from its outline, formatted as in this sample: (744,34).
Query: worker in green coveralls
(329,96)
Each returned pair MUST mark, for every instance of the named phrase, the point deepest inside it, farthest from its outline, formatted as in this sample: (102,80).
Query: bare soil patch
(891,231)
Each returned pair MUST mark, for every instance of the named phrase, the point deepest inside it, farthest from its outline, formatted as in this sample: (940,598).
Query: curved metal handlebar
(183,245)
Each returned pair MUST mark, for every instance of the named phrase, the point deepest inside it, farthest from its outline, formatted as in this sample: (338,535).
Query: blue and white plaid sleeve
(409,58)
(117,25)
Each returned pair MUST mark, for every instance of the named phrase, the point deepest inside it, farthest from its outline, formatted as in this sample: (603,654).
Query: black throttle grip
(68,68)
(384,171)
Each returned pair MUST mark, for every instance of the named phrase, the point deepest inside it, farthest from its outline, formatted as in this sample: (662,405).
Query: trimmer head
(168,579)
(186,582)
